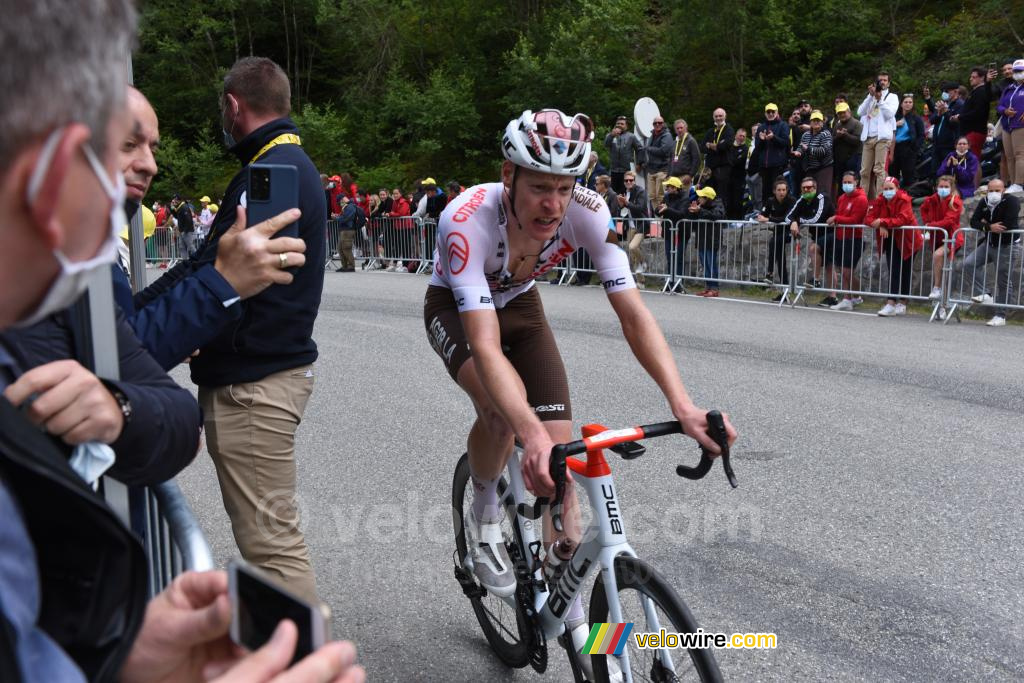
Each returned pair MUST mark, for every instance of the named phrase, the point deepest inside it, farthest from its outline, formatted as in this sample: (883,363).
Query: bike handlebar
(613,437)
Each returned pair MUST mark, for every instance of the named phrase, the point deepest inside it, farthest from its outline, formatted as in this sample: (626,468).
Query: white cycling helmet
(549,141)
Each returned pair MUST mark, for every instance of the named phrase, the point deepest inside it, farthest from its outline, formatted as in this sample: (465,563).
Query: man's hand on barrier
(69,402)
(884,232)
(997,227)
(251,261)
(184,637)
(794,228)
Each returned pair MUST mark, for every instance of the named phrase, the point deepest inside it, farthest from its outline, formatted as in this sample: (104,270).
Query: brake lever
(716,430)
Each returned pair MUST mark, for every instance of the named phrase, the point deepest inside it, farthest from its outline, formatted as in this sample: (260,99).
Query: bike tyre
(632,574)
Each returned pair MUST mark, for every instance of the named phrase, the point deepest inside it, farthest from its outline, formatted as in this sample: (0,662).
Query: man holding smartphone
(878,117)
(256,377)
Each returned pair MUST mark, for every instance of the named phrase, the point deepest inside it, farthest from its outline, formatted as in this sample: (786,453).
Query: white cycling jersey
(471,253)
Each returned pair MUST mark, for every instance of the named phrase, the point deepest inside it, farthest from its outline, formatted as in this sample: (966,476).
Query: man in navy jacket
(256,376)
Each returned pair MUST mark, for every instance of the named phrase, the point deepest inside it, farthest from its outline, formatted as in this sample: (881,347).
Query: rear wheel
(651,604)
(504,624)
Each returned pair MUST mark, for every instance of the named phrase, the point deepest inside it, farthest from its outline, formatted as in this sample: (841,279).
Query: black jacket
(719,157)
(275,331)
(709,230)
(162,436)
(813,212)
(92,569)
(658,152)
(916,124)
(687,161)
(776,211)
(1006,212)
(974,115)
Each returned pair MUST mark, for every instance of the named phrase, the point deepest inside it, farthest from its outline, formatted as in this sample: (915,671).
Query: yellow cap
(771,106)
(204,198)
(673,182)
(213,208)
(428,181)
(842,106)
(148,224)
(707,192)
(817,116)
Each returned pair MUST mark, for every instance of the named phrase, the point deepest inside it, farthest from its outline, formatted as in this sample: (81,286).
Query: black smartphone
(259,604)
(271,189)
(991,66)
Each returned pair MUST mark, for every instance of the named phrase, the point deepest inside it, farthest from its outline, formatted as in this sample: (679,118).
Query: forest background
(394,90)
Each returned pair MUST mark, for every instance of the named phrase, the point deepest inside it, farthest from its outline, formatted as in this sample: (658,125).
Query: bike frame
(603,541)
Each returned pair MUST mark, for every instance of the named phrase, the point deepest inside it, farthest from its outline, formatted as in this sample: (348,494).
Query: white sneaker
(942,313)
(844,305)
(390,268)
(491,563)
(1015,188)
(887,310)
(899,309)
(997,321)
(982,299)
(401,269)
(936,293)
(857,301)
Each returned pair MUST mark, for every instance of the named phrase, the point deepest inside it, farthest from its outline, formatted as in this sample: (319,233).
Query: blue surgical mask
(849,187)
(888,194)
(72,279)
(943,192)
(945,97)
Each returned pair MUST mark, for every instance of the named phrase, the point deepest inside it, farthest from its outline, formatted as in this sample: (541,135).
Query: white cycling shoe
(491,563)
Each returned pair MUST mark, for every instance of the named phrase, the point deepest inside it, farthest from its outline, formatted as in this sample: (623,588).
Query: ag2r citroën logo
(458,253)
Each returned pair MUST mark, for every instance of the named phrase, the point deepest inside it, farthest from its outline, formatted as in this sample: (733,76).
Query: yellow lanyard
(719,136)
(283,139)
(680,142)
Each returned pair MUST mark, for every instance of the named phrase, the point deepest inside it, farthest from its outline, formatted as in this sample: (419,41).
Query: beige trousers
(250,433)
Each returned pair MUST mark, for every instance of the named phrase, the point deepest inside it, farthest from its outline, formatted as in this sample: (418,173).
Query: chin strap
(512,196)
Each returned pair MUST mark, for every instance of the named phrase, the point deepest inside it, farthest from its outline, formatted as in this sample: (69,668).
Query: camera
(878,85)
(259,184)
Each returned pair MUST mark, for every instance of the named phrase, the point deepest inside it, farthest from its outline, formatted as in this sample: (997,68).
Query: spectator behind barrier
(775,211)
(963,166)
(847,241)
(888,215)
(909,139)
(996,216)
(813,208)
(1011,120)
(878,119)
(943,210)
(708,209)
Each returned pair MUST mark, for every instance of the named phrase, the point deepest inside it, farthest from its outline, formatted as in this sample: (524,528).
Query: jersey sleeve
(596,234)
(462,249)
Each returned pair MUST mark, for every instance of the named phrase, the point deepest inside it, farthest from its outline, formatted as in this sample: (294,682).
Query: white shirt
(878,117)
(471,253)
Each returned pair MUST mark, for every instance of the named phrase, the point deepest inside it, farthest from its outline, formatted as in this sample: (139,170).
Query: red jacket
(850,210)
(400,207)
(942,213)
(895,214)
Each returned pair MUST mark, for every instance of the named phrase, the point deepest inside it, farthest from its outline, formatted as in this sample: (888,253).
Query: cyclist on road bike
(485,319)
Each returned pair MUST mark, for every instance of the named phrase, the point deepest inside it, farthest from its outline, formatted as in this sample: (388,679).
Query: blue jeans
(709,262)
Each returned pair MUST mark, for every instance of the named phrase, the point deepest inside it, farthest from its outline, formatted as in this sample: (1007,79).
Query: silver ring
(284,259)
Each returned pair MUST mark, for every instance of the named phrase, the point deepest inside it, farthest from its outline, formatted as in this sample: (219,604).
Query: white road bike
(627,589)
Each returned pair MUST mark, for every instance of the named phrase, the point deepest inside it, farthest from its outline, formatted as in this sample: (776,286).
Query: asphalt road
(877,529)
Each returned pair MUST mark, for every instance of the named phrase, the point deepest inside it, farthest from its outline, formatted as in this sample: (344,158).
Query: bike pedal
(468,583)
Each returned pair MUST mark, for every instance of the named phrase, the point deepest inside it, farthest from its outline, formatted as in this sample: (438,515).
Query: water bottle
(560,552)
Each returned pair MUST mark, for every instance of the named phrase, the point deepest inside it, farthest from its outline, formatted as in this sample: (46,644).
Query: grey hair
(62,62)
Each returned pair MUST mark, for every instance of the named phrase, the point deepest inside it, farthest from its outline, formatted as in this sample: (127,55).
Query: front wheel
(504,624)
(651,604)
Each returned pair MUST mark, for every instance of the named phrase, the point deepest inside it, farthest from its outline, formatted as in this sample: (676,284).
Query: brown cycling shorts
(526,340)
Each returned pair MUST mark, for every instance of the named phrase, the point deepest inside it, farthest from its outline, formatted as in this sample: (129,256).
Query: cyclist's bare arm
(506,391)
(648,344)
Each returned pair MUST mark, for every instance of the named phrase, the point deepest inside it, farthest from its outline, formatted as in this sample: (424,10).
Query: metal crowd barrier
(162,248)
(171,535)
(985,274)
(860,267)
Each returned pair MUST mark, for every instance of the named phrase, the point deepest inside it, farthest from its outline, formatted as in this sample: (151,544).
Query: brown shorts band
(526,340)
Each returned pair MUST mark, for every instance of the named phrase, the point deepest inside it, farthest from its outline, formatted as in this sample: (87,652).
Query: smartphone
(271,189)
(991,66)
(259,603)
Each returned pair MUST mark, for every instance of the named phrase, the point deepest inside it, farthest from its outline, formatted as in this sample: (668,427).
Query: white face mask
(1018,76)
(994,198)
(888,194)
(71,281)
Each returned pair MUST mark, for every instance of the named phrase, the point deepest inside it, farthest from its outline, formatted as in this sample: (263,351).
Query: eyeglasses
(629,180)
(807,188)
(659,123)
